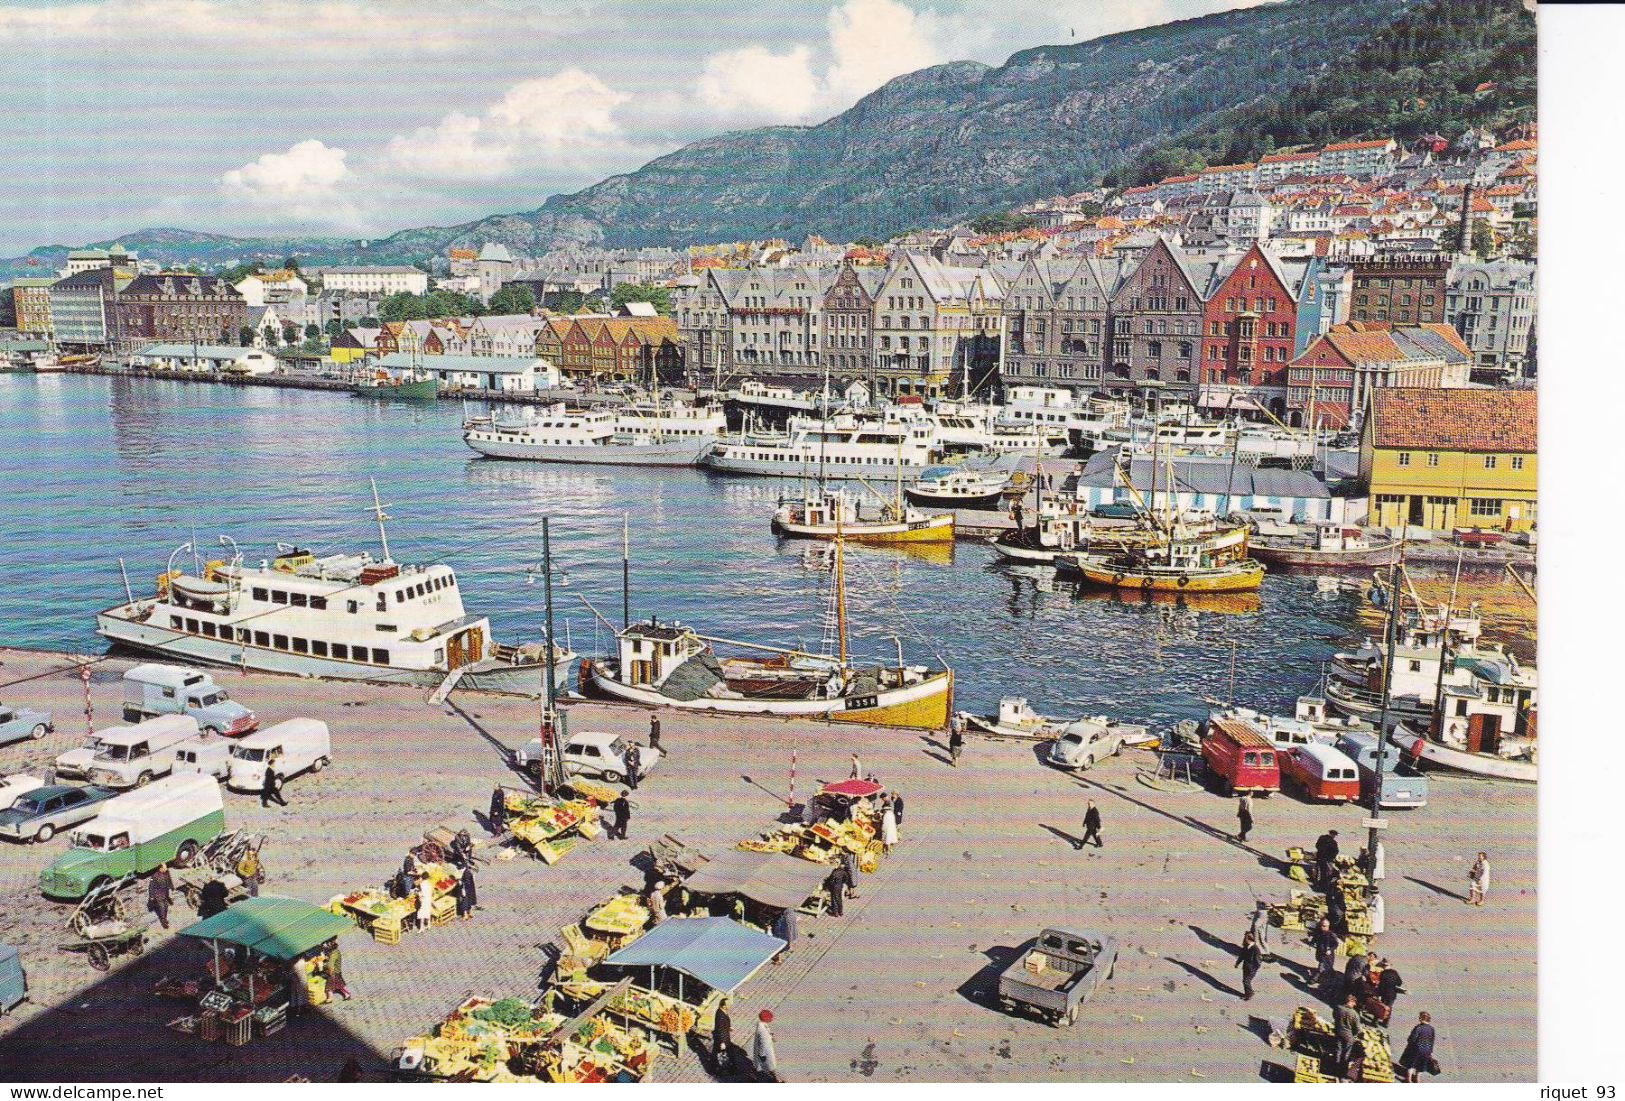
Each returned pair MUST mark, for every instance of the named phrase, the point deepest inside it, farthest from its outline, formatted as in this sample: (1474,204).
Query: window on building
(1433,458)
(1489,462)
(1485,506)
(1404,458)
(1517,462)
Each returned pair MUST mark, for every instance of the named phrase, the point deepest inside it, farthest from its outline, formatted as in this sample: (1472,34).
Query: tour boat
(1331,546)
(848,445)
(836,513)
(338,616)
(654,434)
(672,665)
(415,385)
(957,487)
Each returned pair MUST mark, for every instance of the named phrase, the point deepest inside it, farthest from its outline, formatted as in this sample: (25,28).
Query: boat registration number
(916,525)
(861,703)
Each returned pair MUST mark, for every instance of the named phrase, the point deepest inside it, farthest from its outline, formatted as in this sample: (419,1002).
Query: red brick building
(1400,290)
(179,306)
(1338,373)
(1248,326)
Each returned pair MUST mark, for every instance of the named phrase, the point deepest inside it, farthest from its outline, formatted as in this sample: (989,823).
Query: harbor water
(98,468)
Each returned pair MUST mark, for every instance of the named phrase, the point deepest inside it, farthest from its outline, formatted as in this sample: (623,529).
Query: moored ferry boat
(845,446)
(338,616)
(636,435)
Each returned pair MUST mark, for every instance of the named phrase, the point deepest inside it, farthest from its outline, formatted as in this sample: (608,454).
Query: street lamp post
(552,723)
(1375,824)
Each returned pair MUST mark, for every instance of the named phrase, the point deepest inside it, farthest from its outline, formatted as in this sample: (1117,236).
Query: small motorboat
(956,487)
(1329,546)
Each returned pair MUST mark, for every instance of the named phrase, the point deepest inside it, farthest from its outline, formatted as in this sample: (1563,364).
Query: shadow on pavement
(1070,839)
(1215,941)
(1435,888)
(1205,977)
(982,988)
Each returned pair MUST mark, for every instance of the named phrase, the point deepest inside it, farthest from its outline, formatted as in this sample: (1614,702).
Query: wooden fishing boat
(835,512)
(1240,576)
(1331,546)
(410,386)
(1434,753)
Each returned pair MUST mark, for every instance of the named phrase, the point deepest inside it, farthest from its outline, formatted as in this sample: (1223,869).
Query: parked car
(1080,744)
(1479,537)
(1057,972)
(19,723)
(44,812)
(295,746)
(15,786)
(75,764)
(171,819)
(13,980)
(592,753)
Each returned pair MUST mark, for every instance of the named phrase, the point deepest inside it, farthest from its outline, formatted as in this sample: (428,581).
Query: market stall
(260,947)
(386,917)
(606,928)
(550,827)
(764,883)
(1313,1040)
(680,971)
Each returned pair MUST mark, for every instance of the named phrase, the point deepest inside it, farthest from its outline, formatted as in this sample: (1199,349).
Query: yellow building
(1445,459)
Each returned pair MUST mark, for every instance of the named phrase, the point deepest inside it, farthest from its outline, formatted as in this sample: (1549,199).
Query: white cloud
(760,84)
(570,110)
(872,41)
(296,182)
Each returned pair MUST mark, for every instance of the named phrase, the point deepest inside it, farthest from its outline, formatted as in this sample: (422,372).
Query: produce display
(1312,1038)
(666,1014)
(549,826)
(823,842)
(385,917)
(621,916)
(598,1051)
(477,1041)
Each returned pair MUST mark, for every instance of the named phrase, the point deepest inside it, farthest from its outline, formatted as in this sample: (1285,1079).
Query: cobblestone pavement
(898,989)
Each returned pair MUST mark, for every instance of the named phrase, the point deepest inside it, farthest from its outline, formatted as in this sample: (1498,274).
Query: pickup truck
(1057,972)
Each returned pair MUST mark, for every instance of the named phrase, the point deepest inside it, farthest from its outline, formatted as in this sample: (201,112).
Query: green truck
(168,820)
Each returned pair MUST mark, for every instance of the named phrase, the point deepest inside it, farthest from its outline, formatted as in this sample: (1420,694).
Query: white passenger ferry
(847,445)
(634,435)
(339,616)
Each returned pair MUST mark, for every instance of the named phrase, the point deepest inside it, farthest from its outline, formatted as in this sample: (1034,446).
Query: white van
(134,756)
(204,754)
(291,747)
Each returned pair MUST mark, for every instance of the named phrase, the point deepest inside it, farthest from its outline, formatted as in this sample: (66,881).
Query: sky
(360,117)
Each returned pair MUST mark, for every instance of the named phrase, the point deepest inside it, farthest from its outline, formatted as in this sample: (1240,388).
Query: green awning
(282,928)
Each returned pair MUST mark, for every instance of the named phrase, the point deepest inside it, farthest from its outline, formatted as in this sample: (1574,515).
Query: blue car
(44,812)
(18,724)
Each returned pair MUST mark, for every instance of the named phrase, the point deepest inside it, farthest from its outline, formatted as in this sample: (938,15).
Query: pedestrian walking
(335,972)
(835,888)
(211,900)
(1259,928)
(1244,816)
(1325,943)
(621,808)
(468,893)
(425,911)
(634,766)
(1390,985)
(722,1037)
(271,788)
(250,872)
(1091,826)
(857,768)
(888,828)
(956,739)
(160,894)
(654,731)
(497,816)
(849,872)
(762,1056)
(1326,851)
(1249,959)
(1418,1054)
(1478,880)
(1346,1029)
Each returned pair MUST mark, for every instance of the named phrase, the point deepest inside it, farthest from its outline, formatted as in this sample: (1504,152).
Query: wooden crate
(208,1026)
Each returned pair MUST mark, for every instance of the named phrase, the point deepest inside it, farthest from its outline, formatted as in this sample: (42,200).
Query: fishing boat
(672,665)
(338,616)
(958,487)
(411,385)
(1183,566)
(1433,753)
(831,513)
(644,434)
(1329,546)
(1017,719)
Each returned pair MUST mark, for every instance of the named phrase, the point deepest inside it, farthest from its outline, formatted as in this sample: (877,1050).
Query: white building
(504,374)
(205,358)
(272,288)
(1358,158)
(384,279)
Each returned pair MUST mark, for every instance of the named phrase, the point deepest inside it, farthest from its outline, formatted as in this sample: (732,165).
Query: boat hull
(1309,557)
(675,453)
(1361,704)
(421,390)
(1223,581)
(497,677)
(1438,755)
(829,470)
(981,502)
(933,529)
(1018,552)
(922,706)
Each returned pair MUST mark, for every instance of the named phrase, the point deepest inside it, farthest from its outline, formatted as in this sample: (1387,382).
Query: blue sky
(359,117)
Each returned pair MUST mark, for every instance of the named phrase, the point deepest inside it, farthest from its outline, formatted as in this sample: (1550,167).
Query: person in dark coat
(1325,857)
(1244,817)
(835,887)
(849,870)
(897,807)
(784,927)
(497,816)
(1091,826)
(212,899)
(462,849)
(1389,986)
(634,765)
(1337,911)
(160,894)
(654,731)
(1355,975)
(622,810)
(1249,959)
(468,895)
(956,741)
(1346,1028)
(1418,1055)
(271,788)
(722,1038)
(1325,943)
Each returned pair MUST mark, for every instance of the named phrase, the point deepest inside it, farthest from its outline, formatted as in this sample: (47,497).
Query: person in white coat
(888,827)
(425,901)
(762,1055)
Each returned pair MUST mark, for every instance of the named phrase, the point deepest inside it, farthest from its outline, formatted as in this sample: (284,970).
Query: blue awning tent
(717,951)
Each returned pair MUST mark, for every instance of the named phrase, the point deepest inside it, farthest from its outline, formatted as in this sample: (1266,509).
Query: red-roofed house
(1336,375)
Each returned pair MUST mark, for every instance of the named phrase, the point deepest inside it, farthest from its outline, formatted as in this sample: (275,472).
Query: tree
(334,329)
(513,298)
(1001,221)
(245,336)
(659,297)
(290,332)
(567,301)
(369,323)
(867,242)
(291,264)
(1483,240)
(312,333)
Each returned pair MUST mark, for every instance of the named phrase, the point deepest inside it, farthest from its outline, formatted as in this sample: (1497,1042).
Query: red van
(1321,772)
(1237,753)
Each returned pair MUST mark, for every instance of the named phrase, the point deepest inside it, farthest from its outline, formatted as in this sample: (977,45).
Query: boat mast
(840,592)
(378,512)
(626,571)
(551,718)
